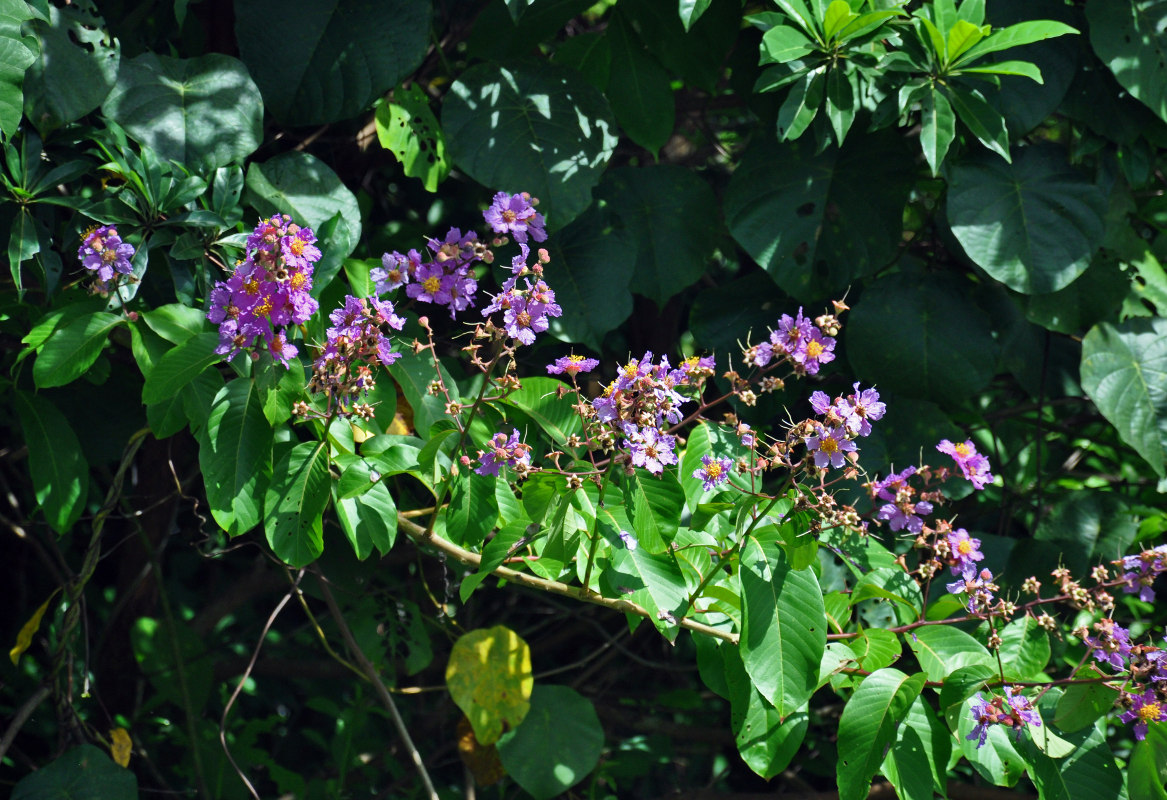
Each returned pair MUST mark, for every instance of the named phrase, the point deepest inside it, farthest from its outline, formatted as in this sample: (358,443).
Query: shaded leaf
(295,499)
(557,745)
(60,472)
(83,773)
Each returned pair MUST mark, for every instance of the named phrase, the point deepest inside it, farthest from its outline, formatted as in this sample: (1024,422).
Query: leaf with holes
(407,127)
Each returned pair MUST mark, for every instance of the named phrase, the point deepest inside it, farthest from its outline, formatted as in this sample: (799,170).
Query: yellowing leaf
(24,638)
(489,677)
(120,746)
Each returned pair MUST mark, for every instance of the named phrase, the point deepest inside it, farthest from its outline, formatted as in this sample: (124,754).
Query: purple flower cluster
(268,291)
(900,508)
(357,343)
(1112,645)
(713,472)
(103,251)
(844,419)
(797,339)
(1140,571)
(1013,711)
(526,311)
(974,465)
(444,280)
(572,365)
(963,553)
(515,214)
(979,587)
(505,450)
(651,447)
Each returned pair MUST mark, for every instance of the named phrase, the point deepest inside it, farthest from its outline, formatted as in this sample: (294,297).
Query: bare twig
(21,716)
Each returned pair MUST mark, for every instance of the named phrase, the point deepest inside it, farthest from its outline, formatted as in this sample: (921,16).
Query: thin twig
(21,716)
(375,679)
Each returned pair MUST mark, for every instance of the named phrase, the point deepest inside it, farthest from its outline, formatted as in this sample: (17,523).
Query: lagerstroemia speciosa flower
(357,343)
(1144,709)
(713,472)
(268,290)
(572,365)
(1013,711)
(505,450)
(1141,570)
(964,553)
(103,251)
(974,465)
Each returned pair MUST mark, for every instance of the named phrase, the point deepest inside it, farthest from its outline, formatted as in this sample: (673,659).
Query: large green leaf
(365,507)
(656,503)
(669,212)
(323,62)
(784,626)
(921,336)
(1033,224)
(1025,649)
(641,97)
(201,112)
(556,746)
(407,127)
(72,349)
(179,366)
(235,448)
(868,725)
(942,649)
(17,53)
(294,502)
(531,127)
(592,262)
(60,473)
(767,740)
(83,773)
(76,67)
(652,581)
(818,222)
(1084,528)
(473,509)
(1124,371)
(1131,38)
(1088,772)
(1148,766)
(1081,705)
(304,187)
(539,398)
(917,764)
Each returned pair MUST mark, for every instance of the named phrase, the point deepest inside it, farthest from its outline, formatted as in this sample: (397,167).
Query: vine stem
(420,535)
(370,672)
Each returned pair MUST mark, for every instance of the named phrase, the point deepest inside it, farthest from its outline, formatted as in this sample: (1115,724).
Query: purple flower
(631,373)
(813,351)
(395,271)
(572,365)
(828,447)
(979,588)
(974,465)
(792,333)
(356,345)
(820,402)
(103,251)
(1145,709)
(905,515)
(694,368)
(629,540)
(651,448)
(504,450)
(1112,645)
(858,408)
(1023,710)
(515,214)
(965,552)
(985,715)
(1142,570)
(713,472)
(747,435)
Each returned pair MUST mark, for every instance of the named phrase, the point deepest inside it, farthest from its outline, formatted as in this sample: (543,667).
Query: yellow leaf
(24,638)
(120,746)
(489,677)
(360,434)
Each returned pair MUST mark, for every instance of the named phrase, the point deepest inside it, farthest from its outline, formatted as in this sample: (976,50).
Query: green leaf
(201,112)
(175,322)
(60,473)
(1087,527)
(494,553)
(942,649)
(179,366)
(941,347)
(1083,704)
(557,745)
(642,97)
(365,507)
(837,16)
(407,127)
(531,127)
(1020,34)
(767,740)
(319,63)
(782,44)
(1024,69)
(473,510)
(917,764)
(937,127)
(818,222)
(592,262)
(235,451)
(691,11)
(1025,649)
(23,242)
(294,501)
(868,725)
(664,209)
(784,626)
(1147,771)
(842,100)
(1033,224)
(1124,371)
(307,189)
(75,68)
(802,104)
(72,348)
(83,773)
(735,309)
(589,54)
(875,648)
(985,122)
(1089,771)
(17,53)
(489,677)
(656,505)
(538,397)
(961,36)
(651,581)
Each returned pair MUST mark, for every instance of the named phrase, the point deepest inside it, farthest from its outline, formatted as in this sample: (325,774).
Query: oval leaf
(489,677)
(60,473)
(72,348)
(295,499)
(235,455)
